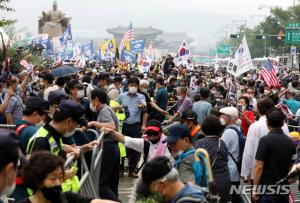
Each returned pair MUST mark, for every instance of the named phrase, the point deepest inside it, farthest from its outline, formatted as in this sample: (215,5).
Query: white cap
(230,111)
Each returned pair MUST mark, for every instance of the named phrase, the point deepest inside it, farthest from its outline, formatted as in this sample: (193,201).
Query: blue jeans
(273,199)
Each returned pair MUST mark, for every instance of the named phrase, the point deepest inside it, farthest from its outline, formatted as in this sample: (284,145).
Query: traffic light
(260,37)
(235,36)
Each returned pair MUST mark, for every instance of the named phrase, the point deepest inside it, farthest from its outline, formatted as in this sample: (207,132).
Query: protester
(114,90)
(15,107)
(161,179)
(245,114)
(231,136)
(218,155)
(45,175)
(273,159)
(189,118)
(47,80)
(10,157)
(184,103)
(257,130)
(109,175)
(134,104)
(179,141)
(202,108)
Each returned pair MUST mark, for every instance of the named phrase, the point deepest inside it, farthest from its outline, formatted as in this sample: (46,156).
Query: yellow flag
(114,43)
(127,45)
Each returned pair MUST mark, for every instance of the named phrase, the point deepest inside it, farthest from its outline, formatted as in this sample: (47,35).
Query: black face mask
(155,141)
(52,193)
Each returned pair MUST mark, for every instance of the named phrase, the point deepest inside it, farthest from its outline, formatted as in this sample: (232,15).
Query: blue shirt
(292,104)
(15,107)
(189,194)
(131,103)
(202,109)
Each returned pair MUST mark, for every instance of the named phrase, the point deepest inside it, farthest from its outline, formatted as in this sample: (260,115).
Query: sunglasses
(152,133)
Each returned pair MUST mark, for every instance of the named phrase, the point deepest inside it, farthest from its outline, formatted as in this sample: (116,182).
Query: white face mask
(179,98)
(80,94)
(69,134)
(40,124)
(178,153)
(8,190)
(132,90)
(93,109)
(222,120)
(266,92)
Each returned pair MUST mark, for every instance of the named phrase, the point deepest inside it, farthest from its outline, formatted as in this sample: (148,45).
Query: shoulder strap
(219,147)
(85,92)
(19,101)
(20,128)
(146,153)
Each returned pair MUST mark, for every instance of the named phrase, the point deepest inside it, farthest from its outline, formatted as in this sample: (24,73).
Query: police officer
(49,138)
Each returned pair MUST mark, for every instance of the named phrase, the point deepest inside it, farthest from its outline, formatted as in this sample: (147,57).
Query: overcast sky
(201,19)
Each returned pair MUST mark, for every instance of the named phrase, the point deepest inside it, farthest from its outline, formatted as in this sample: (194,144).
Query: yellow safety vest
(55,148)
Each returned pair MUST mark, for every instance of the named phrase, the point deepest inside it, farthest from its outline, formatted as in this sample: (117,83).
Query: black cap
(55,97)
(9,147)
(38,104)
(156,169)
(71,109)
(188,115)
(74,83)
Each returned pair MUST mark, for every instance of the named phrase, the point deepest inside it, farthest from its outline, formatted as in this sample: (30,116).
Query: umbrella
(63,71)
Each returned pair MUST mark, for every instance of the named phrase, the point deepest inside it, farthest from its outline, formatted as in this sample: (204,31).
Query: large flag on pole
(128,36)
(268,73)
(66,36)
(243,58)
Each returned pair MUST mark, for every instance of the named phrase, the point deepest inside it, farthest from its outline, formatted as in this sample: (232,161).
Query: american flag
(129,35)
(268,73)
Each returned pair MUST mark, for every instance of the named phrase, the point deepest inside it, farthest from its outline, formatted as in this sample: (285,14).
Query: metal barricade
(7,126)
(87,188)
(96,162)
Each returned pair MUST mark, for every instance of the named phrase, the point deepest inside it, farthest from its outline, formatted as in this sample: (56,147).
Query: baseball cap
(153,125)
(188,115)
(55,97)
(9,147)
(103,76)
(38,104)
(70,109)
(230,111)
(177,131)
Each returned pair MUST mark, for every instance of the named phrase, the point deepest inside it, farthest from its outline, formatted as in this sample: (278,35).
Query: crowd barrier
(6,126)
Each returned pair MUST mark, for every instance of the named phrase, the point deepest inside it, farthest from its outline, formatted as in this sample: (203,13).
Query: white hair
(144,82)
(172,176)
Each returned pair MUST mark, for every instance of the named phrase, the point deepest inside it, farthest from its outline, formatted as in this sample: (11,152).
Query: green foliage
(4,7)
(272,24)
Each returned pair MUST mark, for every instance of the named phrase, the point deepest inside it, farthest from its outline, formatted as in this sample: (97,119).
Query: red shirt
(245,126)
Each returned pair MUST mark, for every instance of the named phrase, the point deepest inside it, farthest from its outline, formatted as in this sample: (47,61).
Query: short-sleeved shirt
(161,98)
(184,105)
(275,150)
(15,107)
(25,133)
(131,103)
(231,139)
(202,109)
(107,115)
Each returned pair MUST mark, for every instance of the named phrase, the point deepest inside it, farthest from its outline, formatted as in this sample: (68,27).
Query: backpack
(242,141)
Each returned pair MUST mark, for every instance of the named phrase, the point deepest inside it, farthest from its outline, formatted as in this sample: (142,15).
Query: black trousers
(134,131)
(109,175)
(236,198)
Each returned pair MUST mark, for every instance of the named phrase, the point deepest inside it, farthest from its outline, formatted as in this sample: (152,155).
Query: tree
(4,7)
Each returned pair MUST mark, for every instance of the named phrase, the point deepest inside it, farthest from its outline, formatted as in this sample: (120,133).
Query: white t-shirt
(48,90)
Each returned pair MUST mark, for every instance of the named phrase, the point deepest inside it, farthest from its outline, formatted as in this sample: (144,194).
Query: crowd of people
(164,115)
